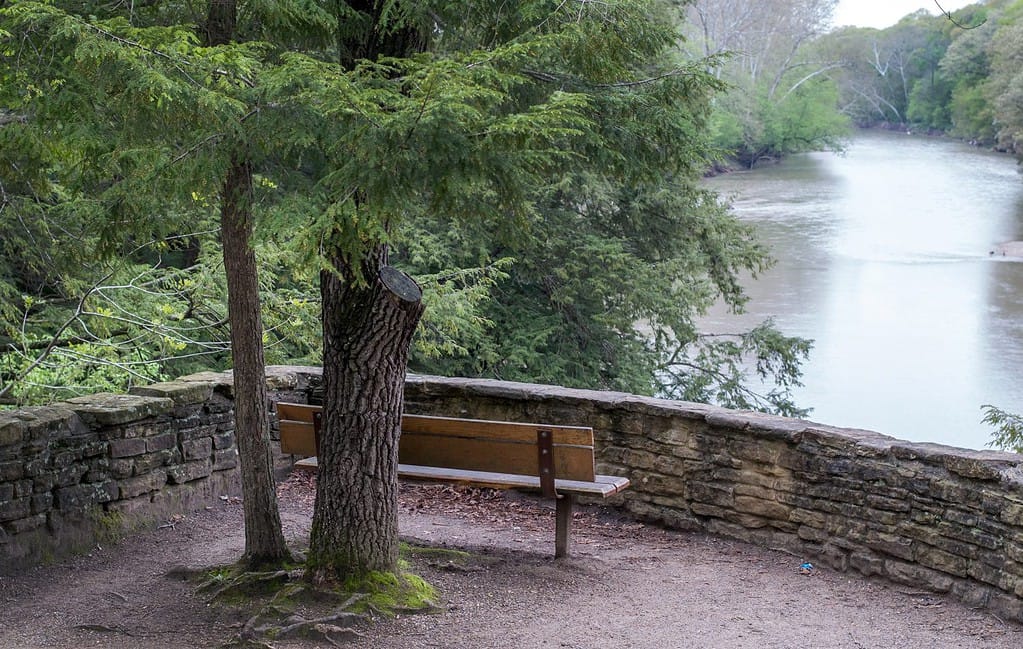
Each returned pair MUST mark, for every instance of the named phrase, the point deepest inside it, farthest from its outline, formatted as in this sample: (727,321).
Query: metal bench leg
(564,516)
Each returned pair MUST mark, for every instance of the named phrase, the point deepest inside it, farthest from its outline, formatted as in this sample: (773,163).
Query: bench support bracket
(545,459)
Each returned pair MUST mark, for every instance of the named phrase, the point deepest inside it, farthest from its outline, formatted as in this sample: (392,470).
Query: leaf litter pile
(488,507)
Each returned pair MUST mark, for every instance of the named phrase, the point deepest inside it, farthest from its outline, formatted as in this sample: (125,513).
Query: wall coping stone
(106,409)
(182,393)
(967,462)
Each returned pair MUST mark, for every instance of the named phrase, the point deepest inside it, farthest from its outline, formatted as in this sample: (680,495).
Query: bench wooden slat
(498,430)
(470,444)
(296,411)
(297,437)
(570,462)
(473,454)
(603,486)
(457,427)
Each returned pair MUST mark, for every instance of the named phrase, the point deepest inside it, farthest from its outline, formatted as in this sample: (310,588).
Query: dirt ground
(626,585)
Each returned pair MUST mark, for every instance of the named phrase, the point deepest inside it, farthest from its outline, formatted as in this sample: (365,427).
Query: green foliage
(780,100)
(391,593)
(960,75)
(536,168)
(605,293)
(1009,429)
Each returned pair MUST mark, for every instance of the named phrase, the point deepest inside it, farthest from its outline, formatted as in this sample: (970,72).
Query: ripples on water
(883,259)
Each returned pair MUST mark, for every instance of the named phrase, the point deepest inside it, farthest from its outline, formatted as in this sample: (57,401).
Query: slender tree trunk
(367,330)
(264,540)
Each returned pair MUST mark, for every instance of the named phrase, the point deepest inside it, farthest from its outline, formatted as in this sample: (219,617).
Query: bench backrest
(469,444)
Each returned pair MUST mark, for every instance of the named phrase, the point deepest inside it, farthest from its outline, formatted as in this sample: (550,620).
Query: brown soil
(626,585)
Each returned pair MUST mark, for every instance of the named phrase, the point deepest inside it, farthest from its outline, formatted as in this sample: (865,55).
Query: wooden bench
(557,461)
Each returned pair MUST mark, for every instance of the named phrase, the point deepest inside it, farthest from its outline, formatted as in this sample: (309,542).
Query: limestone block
(79,498)
(11,471)
(866,563)
(946,562)
(121,468)
(161,442)
(808,517)
(197,449)
(23,488)
(756,450)
(12,429)
(981,465)
(27,524)
(180,392)
(972,594)
(127,447)
(138,508)
(814,534)
(1013,514)
(991,539)
(917,576)
(206,430)
(982,572)
(107,409)
(769,509)
(71,474)
(744,488)
(887,503)
(1007,606)
(188,423)
(14,509)
(42,503)
(132,487)
(714,494)
(145,463)
(224,460)
(182,473)
(1014,550)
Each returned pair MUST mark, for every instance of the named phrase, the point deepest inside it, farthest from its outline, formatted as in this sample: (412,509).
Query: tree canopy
(170,104)
(953,74)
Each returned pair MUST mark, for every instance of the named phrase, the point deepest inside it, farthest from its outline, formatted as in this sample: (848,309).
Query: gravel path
(626,585)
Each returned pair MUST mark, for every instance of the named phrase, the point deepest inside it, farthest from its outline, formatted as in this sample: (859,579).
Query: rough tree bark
(367,330)
(368,322)
(264,540)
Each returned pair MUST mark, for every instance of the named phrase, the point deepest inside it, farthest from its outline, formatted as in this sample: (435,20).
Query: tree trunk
(264,540)
(367,330)
(368,322)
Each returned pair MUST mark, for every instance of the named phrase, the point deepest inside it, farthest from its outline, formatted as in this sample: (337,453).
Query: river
(883,259)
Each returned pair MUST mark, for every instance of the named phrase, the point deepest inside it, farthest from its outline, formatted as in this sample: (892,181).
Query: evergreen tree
(340,128)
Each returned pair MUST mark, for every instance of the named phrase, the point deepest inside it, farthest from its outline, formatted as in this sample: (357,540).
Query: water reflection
(883,260)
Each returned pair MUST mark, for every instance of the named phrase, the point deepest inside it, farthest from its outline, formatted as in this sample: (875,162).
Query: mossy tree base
(286,605)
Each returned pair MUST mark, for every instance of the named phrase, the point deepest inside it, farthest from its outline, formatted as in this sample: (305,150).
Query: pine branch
(52,344)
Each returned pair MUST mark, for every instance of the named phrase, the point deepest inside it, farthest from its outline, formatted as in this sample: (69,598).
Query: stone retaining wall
(85,470)
(924,515)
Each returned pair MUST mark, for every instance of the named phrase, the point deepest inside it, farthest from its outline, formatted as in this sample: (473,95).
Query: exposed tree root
(287,606)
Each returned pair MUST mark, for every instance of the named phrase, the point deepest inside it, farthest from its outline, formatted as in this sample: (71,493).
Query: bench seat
(603,486)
